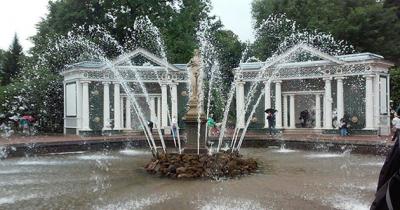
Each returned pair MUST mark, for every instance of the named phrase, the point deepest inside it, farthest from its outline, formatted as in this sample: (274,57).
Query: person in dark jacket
(150,124)
(271,123)
(388,190)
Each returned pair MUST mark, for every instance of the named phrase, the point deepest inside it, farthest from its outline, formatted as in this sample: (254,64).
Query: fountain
(115,180)
(198,160)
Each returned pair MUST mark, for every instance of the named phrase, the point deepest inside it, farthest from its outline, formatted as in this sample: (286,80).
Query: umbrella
(28,117)
(270,110)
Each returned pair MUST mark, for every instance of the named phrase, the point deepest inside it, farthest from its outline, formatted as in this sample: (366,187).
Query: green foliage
(118,19)
(229,50)
(368,25)
(277,33)
(11,65)
(395,85)
(36,92)
(2,58)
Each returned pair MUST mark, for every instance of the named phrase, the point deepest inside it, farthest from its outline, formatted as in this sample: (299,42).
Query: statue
(194,66)
(195,143)
(195,101)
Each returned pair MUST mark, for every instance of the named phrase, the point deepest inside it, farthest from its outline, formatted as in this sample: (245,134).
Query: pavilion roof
(349,58)
(120,62)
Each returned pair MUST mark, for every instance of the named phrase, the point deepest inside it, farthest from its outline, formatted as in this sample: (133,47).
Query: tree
(12,62)
(2,57)
(176,21)
(395,86)
(368,25)
(278,33)
(229,50)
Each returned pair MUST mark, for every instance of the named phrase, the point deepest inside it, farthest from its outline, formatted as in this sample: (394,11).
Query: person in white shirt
(396,125)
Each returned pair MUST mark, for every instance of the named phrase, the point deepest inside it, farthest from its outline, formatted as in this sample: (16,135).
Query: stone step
(133,132)
(302,131)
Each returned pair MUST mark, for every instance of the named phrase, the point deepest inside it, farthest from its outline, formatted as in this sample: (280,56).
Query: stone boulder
(214,166)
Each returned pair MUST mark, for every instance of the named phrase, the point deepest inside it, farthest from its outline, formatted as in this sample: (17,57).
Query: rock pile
(203,165)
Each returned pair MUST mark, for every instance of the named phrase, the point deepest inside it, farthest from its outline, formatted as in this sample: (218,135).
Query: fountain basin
(116,180)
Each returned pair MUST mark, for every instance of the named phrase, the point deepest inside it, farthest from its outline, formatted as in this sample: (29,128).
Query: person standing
(211,125)
(396,125)
(343,127)
(271,123)
(174,125)
(150,124)
(388,189)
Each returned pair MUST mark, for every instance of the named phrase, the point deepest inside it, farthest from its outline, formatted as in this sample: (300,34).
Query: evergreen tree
(12,62)
(2,55)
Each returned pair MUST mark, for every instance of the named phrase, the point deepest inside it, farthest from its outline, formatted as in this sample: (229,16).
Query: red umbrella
(28,117)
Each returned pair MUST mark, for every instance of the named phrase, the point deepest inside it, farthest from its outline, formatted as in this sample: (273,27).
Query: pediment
(142,57)
(301,53)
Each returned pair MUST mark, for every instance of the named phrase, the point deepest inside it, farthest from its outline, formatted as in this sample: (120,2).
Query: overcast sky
(21,16)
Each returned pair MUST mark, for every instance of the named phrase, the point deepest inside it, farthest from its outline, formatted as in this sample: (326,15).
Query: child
(343,127)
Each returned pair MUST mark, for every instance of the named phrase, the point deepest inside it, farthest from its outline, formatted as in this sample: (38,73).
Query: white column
(174,100)
(339,100)
(79,106)
(164,106)
(369,103)
(65,108)
(317,111)
(267,100)
(153,110)
(128,123)
(376,101)
(158,111)
(117,107)
(278,103)
(106,106)
(292,112)
(240,115)
(285,112)
(85,105)
(328,104)
(122,111)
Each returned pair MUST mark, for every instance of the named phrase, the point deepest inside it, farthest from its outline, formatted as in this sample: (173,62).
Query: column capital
(173,83)
(369,76)
(240,83)
(340,77)
(85,82)
(327,78)
(116,82)
(277,81)
(163,84)
(106,82)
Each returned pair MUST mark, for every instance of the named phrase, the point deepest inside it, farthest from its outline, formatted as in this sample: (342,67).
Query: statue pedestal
(192,135)
(191,129)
